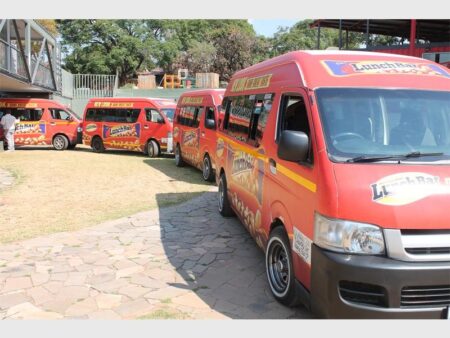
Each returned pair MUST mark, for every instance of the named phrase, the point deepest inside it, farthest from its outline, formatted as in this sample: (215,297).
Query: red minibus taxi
(338,164)
(42,122)
(194,133)
(137,124)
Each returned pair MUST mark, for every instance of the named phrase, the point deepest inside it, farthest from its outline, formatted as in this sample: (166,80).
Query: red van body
(137,124)
(338,164)
(42,122)
(194,135)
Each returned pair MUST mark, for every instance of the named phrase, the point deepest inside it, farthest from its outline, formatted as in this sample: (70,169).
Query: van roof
(330,68)
(159,102)
(199,92)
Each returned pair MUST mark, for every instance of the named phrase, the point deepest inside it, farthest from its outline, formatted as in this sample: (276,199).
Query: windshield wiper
(413,154)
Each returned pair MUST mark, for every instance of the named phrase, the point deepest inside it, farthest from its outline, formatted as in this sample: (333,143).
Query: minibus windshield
(169,113)
(371,125)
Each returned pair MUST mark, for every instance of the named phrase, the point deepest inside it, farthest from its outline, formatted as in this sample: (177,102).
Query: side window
(239,117)
(209,114)
(28,114)
(262,108)
(59,114)
(152,115)
(293,116)
(90,115)
(197,116)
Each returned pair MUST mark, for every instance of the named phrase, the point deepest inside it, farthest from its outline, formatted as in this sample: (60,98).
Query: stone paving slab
(184,262)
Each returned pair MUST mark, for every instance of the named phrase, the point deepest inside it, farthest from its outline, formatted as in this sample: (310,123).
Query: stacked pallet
(207,80)
(146,81)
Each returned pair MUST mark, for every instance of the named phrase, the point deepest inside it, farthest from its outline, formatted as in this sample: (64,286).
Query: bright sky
(268,27)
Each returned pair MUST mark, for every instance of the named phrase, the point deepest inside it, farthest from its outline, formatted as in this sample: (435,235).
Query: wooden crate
(207,80)
(146,81)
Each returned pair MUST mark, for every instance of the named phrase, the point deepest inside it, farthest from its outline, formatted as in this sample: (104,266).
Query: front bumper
(329,269)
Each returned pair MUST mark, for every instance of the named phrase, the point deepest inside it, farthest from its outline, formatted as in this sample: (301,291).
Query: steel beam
(50,62)
(38,60)
(22,51)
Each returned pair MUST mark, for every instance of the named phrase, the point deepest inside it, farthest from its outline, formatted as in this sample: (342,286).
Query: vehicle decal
(251,219)
(23,140)
(192,100)
(104,104)
(220,147)
(30,128)
(129,145)
(17,105)
(247,172)
(251,83)
(302,245)
(91,127)
(350,68)
(123,130)
(190,138)
(311,186)
(281,169)
(406,188)
(176,131)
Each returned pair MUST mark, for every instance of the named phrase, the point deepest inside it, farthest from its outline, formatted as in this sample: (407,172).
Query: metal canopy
(428,30)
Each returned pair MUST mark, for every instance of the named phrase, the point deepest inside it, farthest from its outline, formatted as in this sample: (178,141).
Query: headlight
(347,236)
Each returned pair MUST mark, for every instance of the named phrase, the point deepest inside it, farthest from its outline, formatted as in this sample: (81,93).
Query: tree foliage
(221,46)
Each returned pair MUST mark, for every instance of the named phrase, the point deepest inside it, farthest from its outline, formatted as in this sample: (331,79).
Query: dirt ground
(64,191)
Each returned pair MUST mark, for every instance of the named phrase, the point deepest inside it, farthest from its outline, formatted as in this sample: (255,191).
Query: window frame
(280,119)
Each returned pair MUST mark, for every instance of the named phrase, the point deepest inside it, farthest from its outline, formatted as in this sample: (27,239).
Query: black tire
(72,146)
(152,149)
(97,145)
(279,268)
(207,170)
(60,142)
(224,204)
(178,158)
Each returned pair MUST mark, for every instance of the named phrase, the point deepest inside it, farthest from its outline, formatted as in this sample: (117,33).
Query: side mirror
(210,124)
(71,118)
(293,146)
(160,119)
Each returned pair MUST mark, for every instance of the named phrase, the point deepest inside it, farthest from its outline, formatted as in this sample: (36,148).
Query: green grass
(165,314)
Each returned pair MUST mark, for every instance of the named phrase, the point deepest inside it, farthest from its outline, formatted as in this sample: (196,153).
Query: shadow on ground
(218,259)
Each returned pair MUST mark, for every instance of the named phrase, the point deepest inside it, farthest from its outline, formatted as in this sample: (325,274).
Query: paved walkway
(179,262)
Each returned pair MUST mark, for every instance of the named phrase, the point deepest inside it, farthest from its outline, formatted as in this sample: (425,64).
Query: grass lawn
(63,191)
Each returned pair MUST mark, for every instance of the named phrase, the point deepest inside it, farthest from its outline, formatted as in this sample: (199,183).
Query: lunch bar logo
(348,68)
(122,131)
(406,188)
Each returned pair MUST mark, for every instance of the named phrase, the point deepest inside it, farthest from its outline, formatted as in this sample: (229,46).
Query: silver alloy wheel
(278,267)
(177,154)
(206,168)
(221,194)
(150,149)
(59,142)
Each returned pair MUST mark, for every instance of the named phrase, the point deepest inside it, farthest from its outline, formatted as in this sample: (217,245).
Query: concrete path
(180,262)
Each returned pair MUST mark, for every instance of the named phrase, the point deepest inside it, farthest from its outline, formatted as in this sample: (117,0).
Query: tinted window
(27,114)
(169,112)
(246,117)
(209,115)
(113,115)
(190,116)
(59,114)
(152,115)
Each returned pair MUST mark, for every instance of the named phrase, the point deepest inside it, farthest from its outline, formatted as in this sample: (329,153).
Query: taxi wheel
(224,204)
(178,159)
(279,268)
(152,149)
(97,145)
(60,142)
(208,173)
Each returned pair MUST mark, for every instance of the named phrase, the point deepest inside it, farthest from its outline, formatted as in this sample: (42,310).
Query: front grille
(425,296)
(362,293)
(428,251)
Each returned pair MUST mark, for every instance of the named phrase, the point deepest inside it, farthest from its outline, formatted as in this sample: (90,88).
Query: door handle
(272,166)
(53,123)
(145,126)
(203,134)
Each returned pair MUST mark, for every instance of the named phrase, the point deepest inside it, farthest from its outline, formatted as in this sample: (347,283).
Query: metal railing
(93,85)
